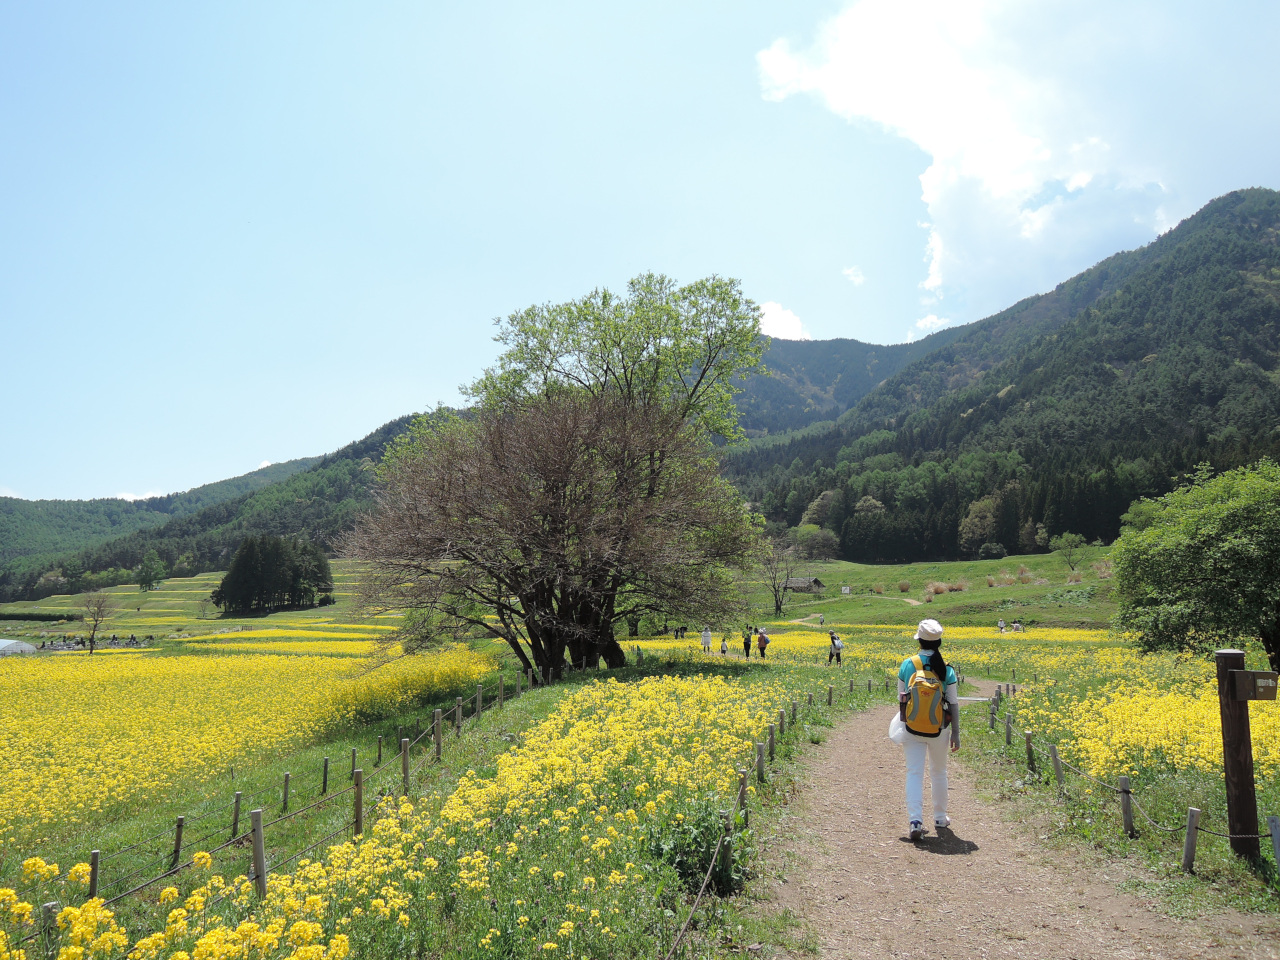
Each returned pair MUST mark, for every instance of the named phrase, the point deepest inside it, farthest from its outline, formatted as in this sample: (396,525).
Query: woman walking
(706,638)
(762,641)
(927,705)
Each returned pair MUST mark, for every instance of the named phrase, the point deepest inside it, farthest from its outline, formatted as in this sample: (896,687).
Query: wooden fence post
(795,705)
(177,842)
(1031,754)
(810,700)
(235,816)
(284,807)
(726,849)
(353,764)
(437,722)
(479,699)
(259,854)
(324,778)
(1189,842)
(1008,729)
(773,727)
(1013,673)
(1057,765)
(991,716)
(404,764)
(501,697)
(1273,824)
(519,677)
(851,684)
(782,722)
(93,874)
(868,684)
(49,925)
(379,763)
(760,762)
(1126,806)
(457,716)
(829,694)
(742,796)
(1237,757)
(359,802)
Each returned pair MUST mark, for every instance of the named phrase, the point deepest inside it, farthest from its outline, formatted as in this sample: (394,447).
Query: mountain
(56,526)
(1055,414)
(316,503)
(1050,416)
(812,380)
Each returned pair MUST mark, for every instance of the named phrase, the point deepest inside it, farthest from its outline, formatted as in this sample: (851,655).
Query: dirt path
(848,869)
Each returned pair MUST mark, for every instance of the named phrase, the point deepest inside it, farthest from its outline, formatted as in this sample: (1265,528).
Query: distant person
(1000,624)
(724,645)
(834,651)
(762,641)
(927,705)
(1017,626)
(706,639)
(822,620)
(746,642)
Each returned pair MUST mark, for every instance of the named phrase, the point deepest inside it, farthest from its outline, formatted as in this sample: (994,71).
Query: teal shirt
(908,668)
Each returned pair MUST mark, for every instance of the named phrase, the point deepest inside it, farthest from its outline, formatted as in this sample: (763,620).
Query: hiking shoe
(944,822)
(917,830)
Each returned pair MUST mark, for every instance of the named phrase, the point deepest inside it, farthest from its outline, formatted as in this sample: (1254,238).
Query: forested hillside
(1054,415)
(49,526)
(813,380)
(316,505)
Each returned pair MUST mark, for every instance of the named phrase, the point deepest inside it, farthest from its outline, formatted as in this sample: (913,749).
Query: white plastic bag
(898,732)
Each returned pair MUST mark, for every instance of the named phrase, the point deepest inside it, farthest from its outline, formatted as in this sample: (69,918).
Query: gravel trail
(983,888)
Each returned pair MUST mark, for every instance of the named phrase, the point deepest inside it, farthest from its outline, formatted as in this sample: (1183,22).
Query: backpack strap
(917,662)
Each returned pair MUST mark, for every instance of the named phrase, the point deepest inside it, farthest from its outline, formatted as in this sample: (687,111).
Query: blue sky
(239,233)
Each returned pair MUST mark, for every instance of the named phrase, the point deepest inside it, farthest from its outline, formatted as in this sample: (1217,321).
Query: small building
(805,585)
(10,648)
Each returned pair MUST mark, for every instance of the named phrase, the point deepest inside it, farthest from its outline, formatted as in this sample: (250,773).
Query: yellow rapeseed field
(88,735)
(564,851)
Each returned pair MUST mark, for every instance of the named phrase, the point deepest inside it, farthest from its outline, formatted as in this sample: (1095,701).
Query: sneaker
(917,830)
(944,822)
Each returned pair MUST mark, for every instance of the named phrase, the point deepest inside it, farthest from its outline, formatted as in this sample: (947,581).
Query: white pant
(915,749)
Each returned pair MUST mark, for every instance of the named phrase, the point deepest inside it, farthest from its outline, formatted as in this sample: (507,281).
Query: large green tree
(583,489)
(1200,566)
(151,572)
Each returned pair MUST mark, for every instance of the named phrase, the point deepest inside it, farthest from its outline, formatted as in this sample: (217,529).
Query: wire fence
(165,863)
(1123,790)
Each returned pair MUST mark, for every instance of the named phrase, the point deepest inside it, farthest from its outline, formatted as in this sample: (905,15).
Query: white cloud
(140,496)
(927,325)
(264,463)
(854,275)
(1048,144)
(777,321)
(9,492)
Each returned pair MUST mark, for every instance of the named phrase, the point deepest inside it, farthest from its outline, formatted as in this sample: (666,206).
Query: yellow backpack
(925,694)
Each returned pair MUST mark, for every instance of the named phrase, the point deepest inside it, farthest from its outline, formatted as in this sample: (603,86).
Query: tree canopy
(661,345)
(1200,566)
(269,573)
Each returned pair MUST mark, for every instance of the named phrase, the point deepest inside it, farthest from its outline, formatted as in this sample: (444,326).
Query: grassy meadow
(586,811)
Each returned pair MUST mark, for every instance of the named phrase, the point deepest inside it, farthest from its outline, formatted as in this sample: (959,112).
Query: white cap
(929,630)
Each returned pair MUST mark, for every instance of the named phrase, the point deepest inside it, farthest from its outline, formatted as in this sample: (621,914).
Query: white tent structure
(11,647)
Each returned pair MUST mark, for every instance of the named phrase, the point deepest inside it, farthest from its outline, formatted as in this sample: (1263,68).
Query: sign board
(1253,685)
(844,589)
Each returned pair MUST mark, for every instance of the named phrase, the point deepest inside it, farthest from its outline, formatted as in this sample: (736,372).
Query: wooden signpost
(1236,687)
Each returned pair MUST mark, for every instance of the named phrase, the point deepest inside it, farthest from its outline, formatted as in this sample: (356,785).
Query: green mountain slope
(315,504)
(812,380)
(1059,411)
(53,526)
